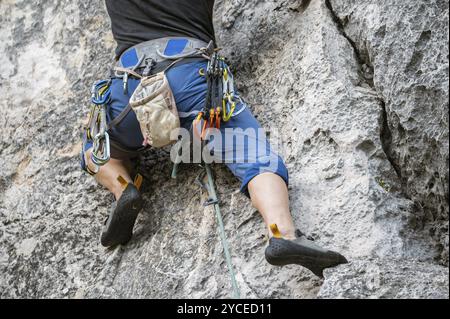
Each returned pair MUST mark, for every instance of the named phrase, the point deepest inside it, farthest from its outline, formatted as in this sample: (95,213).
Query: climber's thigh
(127,134)
(245,149)
(126,138)
(189,89)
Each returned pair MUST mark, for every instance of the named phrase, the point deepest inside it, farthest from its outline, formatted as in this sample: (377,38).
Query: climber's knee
(121,158)
(246,150)
(266,164)
(270,164)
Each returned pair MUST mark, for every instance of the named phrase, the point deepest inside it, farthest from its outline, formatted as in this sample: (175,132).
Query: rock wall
(411,79)
(356,91)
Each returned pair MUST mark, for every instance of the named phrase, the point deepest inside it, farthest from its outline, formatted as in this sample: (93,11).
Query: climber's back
(136,21)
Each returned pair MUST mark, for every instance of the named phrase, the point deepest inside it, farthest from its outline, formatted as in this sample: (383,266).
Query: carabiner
(101,153)
(101,92)
(228,103)
(197,120)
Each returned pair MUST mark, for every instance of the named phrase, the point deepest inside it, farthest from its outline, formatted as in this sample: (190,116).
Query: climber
(137,27)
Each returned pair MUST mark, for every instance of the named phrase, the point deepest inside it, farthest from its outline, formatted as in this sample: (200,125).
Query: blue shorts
(189,89)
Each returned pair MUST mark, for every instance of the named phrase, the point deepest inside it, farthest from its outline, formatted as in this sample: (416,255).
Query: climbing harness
(162,54)
(220,104)
(140,61)
(153,101)
(125,73)
(96,130)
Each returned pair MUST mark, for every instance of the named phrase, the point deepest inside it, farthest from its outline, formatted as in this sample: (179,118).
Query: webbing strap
(137,75)
(179,46)
(120,117)
(116,121)
(122,181)
(138,179)
(126,70)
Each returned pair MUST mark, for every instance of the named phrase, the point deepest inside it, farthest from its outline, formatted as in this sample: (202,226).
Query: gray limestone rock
(354,95)
(393,279)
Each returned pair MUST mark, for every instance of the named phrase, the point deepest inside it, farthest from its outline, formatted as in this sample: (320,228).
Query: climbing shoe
(118,228)
(301,251)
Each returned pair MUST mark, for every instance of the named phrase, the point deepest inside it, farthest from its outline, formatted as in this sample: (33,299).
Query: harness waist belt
(158,50)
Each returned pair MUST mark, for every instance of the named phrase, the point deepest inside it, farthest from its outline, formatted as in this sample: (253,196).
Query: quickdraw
(229,104)
(220,103)
(96,130)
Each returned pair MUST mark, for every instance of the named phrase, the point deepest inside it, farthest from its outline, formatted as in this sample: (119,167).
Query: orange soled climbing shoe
(301,251)
(118,228)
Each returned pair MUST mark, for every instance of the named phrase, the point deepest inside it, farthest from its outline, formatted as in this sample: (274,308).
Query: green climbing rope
(213,198)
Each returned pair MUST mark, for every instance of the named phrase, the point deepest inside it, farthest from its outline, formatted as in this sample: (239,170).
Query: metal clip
(101,92)
(149,64)
(101,95)
(125,84)
(199,180)
(210,201)
(101,152)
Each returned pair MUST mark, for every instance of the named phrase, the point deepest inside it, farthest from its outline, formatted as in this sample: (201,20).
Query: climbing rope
(213,200)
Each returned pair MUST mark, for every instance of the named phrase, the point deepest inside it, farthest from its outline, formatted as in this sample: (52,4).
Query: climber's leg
(118,228)
(264,178)
(108,174)
(127,134)
(269,191)
(128,140)
(269,195)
